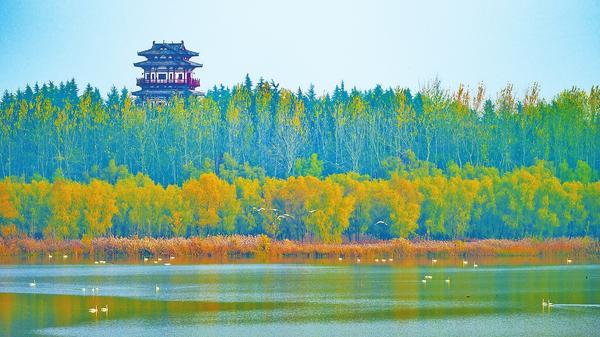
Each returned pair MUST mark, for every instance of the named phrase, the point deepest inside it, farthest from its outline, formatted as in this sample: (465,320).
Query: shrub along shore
(262,246)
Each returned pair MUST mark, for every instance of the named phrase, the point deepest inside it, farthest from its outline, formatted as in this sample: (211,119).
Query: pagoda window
(147,76)
(171,76)
(152,76)
(162,76)
(180,76)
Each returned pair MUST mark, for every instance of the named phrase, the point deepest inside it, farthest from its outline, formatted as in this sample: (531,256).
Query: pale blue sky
(393,43)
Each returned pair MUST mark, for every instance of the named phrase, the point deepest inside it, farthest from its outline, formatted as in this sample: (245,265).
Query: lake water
(499,298)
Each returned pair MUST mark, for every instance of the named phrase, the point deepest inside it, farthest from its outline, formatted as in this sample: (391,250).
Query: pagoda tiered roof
(167,63)
(164,48)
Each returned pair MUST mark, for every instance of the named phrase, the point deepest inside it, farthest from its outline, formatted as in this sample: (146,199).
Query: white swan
(32,284)
(104,309)
(433,260)
(447,281)
(156,288)
(569,261)
(358,259)
(423,281)
(93,310)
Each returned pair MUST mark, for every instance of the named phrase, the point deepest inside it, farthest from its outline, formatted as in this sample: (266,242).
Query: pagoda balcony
(191,82)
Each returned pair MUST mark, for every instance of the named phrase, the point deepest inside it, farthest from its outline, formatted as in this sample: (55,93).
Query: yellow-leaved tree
(405,206)
(212,202)
(249,196)
(99,207)
(8,207)
(328,210)
(65,210)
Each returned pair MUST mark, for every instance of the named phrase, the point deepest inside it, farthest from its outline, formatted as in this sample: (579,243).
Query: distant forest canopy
(257,159)
(373,132)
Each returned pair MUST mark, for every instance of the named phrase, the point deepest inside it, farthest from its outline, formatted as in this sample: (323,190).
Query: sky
(299,43)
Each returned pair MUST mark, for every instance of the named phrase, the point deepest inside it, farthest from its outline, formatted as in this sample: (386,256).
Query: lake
(501,297)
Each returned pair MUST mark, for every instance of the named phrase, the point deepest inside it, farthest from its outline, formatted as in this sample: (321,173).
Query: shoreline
(257,247)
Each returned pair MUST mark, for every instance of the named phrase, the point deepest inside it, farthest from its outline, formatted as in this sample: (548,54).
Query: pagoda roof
(165,48)
(167,63)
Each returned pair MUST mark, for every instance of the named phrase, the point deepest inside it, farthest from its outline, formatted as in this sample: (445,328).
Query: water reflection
(218,298)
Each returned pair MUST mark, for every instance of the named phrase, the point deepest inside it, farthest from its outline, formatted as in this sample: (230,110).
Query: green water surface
(499,298)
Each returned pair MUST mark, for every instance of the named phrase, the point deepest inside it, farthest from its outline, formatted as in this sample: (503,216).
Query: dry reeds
(262,246)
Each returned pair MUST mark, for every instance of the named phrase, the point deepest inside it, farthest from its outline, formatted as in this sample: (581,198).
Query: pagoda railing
(192,82)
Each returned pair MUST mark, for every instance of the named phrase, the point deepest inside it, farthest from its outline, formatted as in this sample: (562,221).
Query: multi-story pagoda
(167,71)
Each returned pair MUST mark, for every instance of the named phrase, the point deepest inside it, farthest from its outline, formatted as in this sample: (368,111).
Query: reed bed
(262,246)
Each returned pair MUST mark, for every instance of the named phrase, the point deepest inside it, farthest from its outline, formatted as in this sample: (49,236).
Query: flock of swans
(50,256)
(94,310)
(545,302)
(95,290)
(427,277)
(160,260)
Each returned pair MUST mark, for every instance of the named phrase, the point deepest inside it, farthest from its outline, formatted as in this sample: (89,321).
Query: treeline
(417,201)
(52,128)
